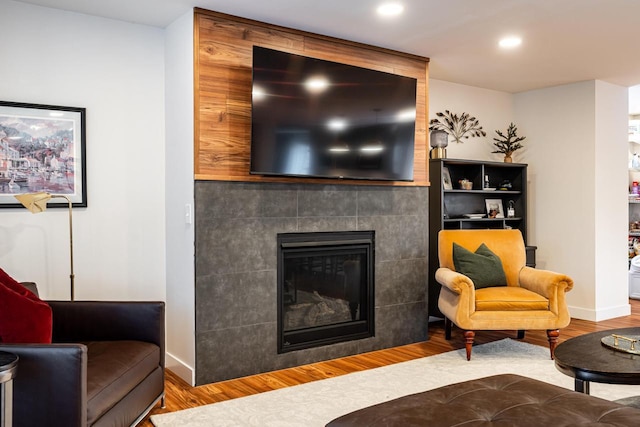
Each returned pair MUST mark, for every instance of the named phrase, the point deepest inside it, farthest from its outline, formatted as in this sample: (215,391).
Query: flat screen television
(318,118)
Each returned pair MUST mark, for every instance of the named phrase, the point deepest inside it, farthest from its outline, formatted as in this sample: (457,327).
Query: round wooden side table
(8,368)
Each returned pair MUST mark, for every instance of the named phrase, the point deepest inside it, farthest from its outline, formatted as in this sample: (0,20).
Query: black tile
(237,299)
(316,224)
(234,352)
(397,237)
(239,245)
(380,201)
(216,199)
(327,200)
(399,282)
(401,324)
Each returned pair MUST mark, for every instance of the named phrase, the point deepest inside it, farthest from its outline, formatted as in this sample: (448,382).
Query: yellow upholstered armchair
(532,299)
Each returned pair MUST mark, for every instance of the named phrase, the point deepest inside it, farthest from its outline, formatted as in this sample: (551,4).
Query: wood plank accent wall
(223,57)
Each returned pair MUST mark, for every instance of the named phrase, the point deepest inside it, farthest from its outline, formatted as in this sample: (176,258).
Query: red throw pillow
(15,286)
(24,318)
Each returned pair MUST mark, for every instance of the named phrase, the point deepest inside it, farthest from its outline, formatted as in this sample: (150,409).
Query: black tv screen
(317,118)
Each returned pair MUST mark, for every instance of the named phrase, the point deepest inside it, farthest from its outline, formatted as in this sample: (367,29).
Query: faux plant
(507,144)
(458,126)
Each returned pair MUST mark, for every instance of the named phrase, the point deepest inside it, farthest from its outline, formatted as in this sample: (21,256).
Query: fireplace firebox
(325,288)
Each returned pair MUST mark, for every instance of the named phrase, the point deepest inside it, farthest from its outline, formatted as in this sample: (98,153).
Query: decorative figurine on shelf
(511,209)
(465,184)
(458,126)
(508,143)
(505,185)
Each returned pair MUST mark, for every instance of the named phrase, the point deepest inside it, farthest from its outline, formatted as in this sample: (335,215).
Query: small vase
(508,159)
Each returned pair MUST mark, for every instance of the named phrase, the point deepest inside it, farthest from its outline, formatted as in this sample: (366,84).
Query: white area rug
(316,403)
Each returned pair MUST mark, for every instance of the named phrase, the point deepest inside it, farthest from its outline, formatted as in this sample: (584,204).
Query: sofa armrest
(456,282)
(78,321)
(544,282)
(50,384)
(457,300)
(552,286)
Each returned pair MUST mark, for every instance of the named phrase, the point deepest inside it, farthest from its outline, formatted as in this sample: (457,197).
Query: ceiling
(563,40)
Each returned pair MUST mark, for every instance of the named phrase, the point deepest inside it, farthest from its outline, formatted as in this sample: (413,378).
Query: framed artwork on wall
(494,208)
(42,149)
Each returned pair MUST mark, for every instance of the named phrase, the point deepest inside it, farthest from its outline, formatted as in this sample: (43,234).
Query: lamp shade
(34,202)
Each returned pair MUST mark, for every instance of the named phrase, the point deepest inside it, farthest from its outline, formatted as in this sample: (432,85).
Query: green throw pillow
(483,267)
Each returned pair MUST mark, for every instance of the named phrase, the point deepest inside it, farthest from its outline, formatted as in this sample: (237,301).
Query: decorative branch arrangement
(462,126)
(508,143)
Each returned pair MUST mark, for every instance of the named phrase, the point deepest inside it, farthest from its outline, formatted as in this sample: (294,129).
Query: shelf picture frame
(446,179)
(42,149)
(495,209)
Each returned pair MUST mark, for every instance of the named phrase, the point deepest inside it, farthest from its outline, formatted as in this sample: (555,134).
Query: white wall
(559,123)
(179,196)
(494,110)
(116,71)
(577,156)
(612,210)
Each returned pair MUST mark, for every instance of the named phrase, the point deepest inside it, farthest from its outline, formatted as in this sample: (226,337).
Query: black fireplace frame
(335,333)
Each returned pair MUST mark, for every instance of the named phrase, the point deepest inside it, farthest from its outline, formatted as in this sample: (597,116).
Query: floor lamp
(36,203)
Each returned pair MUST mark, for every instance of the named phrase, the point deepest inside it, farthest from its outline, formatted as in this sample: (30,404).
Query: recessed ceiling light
(510,42)
(390,9)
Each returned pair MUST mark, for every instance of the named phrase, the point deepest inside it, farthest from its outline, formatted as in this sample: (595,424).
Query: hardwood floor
(181,395)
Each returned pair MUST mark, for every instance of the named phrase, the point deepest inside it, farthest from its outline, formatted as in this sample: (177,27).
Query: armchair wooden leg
(447,328)
(520,334)
(468,344)
(552,335)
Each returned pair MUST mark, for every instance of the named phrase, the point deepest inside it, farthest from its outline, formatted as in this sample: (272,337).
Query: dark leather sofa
(105,366)
(500,400)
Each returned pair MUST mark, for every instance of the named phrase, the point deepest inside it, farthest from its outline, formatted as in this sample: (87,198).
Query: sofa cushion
(24,318)
(483,267)
(509,298)
(114,368)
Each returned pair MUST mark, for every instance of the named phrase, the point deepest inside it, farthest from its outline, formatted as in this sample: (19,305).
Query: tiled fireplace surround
(235,251)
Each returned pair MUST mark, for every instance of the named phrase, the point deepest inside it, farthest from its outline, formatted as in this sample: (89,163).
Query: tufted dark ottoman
(501,400)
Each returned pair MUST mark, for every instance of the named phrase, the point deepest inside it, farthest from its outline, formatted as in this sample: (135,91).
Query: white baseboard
(601,314)
(180,368)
